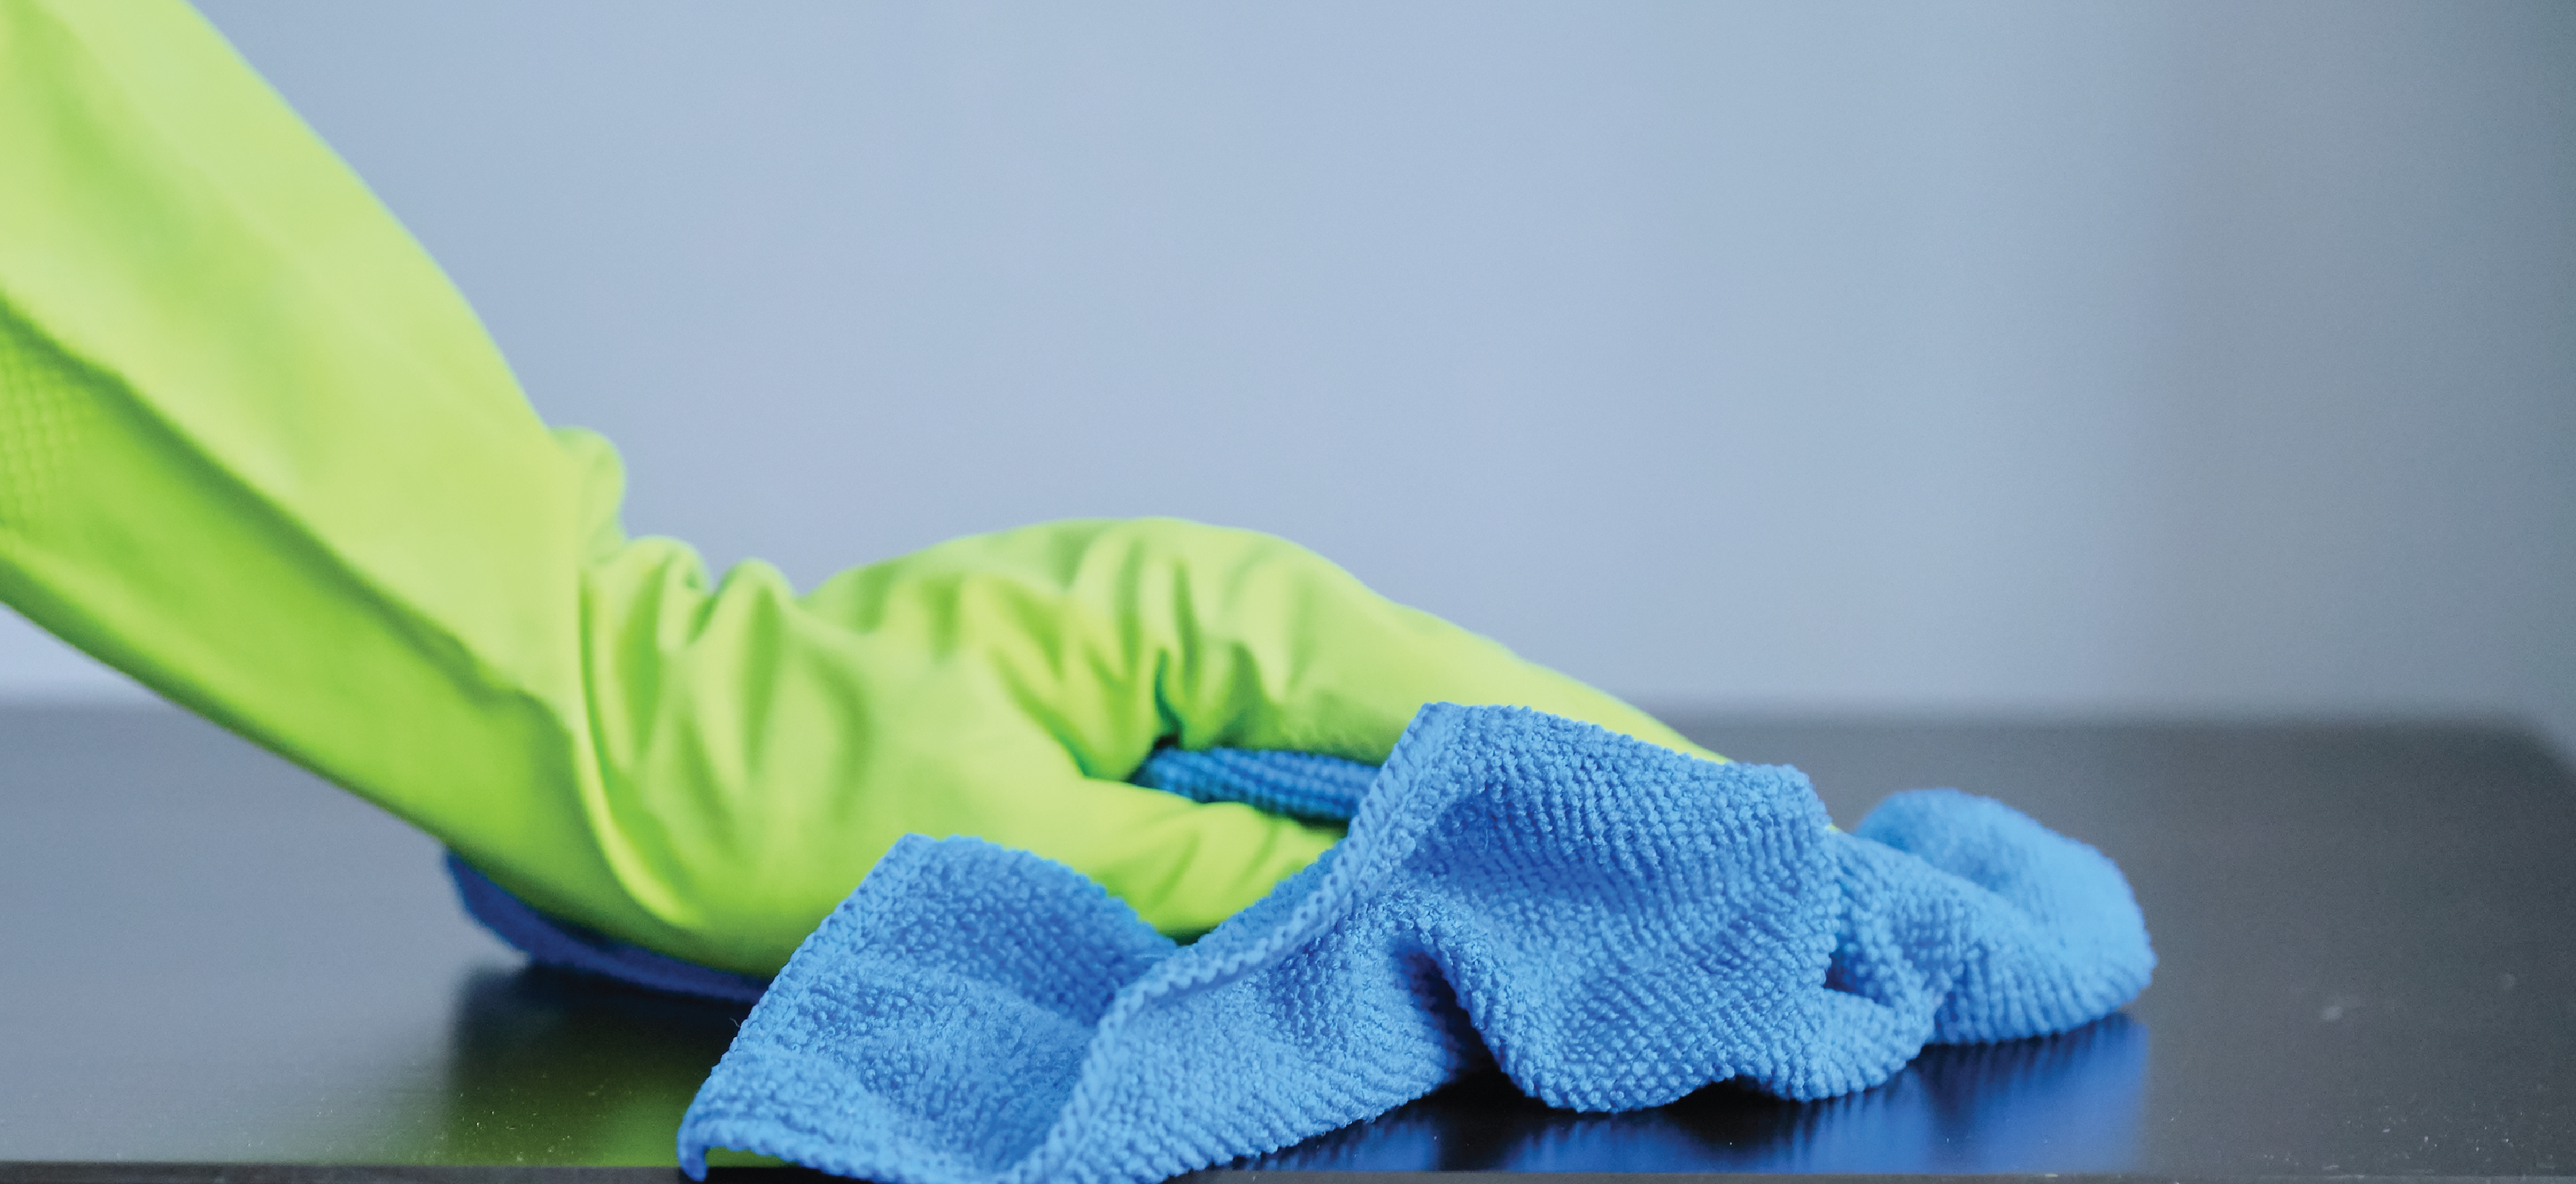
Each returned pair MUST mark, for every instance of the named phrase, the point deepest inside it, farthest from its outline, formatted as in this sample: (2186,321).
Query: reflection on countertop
(2065,1103)
(546,1067)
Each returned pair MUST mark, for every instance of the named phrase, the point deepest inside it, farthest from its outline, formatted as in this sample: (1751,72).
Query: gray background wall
(1949,358)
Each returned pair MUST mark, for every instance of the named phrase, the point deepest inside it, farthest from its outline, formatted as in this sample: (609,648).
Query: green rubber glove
(256,452)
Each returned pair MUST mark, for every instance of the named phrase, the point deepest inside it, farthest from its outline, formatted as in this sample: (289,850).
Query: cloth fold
(1299,784)
(1611,923)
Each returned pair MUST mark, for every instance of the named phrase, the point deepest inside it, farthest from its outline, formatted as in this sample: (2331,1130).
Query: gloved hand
(256,452)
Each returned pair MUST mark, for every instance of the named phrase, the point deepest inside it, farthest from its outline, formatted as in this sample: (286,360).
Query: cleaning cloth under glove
(1613,923)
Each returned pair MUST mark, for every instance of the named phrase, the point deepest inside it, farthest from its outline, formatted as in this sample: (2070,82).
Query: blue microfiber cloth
(1612,923)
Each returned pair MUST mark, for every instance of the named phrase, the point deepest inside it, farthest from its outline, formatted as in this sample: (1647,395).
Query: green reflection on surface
(545,1067)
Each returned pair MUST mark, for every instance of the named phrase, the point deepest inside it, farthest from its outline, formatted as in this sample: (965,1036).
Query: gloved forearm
(261,456)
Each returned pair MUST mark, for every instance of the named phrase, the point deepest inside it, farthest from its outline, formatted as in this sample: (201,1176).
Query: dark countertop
(207,956)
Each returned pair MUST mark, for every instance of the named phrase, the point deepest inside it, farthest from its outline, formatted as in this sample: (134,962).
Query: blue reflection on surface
(2066,1103)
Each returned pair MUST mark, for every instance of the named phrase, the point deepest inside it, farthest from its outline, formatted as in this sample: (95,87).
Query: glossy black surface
(207,956)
